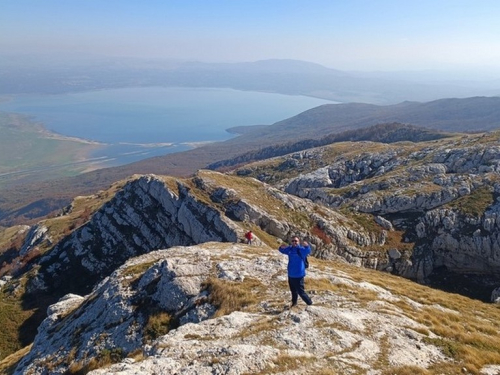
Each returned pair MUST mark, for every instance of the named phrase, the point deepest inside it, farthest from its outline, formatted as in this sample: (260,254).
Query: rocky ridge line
(336,332)
(443,195)
(151,212)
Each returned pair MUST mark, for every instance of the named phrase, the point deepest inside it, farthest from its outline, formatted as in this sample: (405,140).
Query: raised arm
(306,249)
(283,249)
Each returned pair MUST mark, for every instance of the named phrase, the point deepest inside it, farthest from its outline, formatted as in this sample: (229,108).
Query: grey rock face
(462,244)
(113,319)
(35,237)
(344,172)
(386,224)
(423,185)
(144,216)
(149,214)
(495,296)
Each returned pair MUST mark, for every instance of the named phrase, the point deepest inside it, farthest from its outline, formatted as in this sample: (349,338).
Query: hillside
(377,214)
(458,115)
(219,308)
(471,114)
(384,133)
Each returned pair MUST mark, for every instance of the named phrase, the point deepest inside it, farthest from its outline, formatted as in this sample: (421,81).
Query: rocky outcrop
(421,192)
(447,174)
(344,172)
(36,236)
(146,215)
(495,296)
(151,212)
(458,242)
(384,133)
(114,321)
(427,191)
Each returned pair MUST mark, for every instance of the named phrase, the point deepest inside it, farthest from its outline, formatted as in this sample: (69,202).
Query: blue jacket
(296,266)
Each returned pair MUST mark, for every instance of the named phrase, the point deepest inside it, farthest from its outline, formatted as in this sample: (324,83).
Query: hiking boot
(290,306)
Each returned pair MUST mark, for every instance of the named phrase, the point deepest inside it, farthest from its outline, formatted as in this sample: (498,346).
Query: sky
(362,35)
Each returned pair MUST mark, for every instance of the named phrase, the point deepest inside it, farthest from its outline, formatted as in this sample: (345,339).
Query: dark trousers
(296,285)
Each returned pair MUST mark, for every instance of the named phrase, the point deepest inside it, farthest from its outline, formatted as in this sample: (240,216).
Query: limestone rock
(422,192)
(113,319)
(153,212)
(495,296)
(36,235)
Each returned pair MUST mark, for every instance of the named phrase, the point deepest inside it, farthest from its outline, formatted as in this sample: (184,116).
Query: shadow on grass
(474,286)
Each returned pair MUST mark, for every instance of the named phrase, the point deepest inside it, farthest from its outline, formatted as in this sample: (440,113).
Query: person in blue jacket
(296,268)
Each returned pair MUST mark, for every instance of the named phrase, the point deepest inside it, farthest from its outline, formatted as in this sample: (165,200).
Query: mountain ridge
(404,208)
(291,77)
(233,321)
(313,124)
(384,133)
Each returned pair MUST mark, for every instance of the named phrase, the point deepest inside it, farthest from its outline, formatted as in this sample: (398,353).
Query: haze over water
(135,122)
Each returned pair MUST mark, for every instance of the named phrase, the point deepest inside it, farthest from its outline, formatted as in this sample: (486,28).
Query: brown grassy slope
(455,115)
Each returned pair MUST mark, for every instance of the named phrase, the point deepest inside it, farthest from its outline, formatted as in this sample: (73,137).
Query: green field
(28,151)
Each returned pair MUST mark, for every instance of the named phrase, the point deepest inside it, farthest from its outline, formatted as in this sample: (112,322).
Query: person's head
(295,241)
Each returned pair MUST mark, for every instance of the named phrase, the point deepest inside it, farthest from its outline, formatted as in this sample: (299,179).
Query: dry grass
(134,272)
(12,316)
(137,355)
(158,324)
(468,329)
(9,363)
(475,203)
(326,371)
(394,240)
(256,194)
(171,183)
(405,370)
(286,363)
(9,235)
(104,359)
(266,238)
(350,150)
(229,296)
(367,223)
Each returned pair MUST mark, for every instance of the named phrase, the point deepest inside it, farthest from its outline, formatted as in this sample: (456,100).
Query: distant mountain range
(290,77)
(469,114)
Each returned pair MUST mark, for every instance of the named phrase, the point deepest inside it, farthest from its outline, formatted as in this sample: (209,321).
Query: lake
(137,123)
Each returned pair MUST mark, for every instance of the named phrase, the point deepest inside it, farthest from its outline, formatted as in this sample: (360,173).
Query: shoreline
(59,137)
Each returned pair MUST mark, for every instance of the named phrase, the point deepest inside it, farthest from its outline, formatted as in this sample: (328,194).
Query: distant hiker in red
(249,237)
(296,268)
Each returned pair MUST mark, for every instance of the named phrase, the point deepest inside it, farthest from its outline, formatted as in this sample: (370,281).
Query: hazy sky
(342,34)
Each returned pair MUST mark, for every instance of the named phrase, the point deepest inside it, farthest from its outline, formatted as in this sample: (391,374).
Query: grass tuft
(229,296)
(158,324)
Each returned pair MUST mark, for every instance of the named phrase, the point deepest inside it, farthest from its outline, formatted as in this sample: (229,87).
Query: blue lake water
(135,122)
